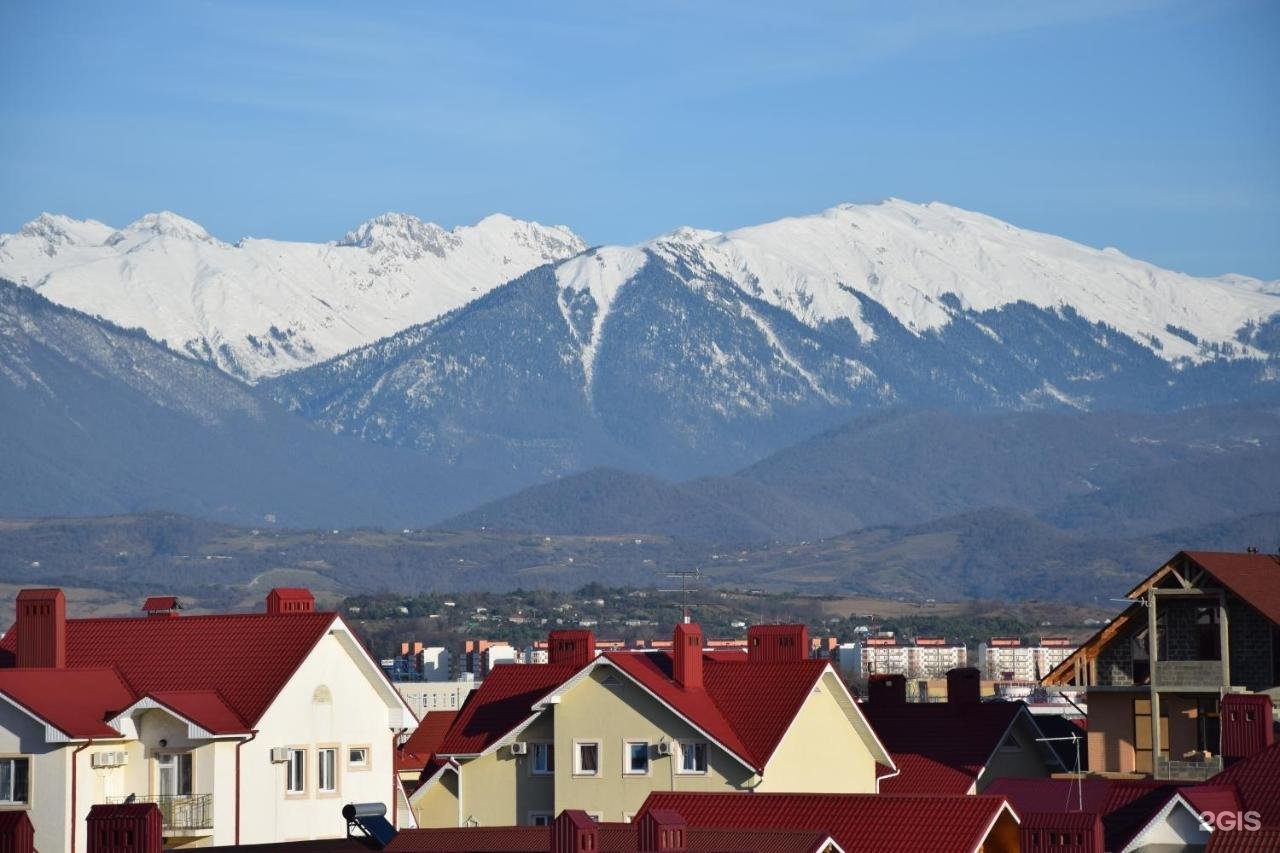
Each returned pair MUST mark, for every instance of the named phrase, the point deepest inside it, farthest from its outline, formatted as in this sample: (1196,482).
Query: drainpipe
(74,764)
(252,734)
(395,778)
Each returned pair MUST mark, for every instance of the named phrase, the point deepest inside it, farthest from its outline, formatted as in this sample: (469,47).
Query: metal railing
(178,811)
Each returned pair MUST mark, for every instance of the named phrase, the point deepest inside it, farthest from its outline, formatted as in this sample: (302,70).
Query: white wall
(50,789)
(329,701)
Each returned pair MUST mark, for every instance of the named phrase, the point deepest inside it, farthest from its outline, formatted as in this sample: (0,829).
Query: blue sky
(1150,126)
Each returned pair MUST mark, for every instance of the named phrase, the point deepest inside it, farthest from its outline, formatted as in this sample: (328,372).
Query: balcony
(1188,771)
(182,814)
(1188,674)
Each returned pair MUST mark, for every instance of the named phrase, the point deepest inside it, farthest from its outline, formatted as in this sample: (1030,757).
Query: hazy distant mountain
(1104,474)
(263,307)
(99,419)
(700,353)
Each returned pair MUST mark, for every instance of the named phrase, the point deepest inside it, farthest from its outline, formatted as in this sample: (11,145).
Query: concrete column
(1153,646)
(1223,633)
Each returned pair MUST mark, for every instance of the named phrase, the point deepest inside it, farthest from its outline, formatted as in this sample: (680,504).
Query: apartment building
(427,696)
(241,728)
(926,657)
(598,732)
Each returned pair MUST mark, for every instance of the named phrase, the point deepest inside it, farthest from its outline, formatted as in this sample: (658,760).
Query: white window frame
(541,818)
(627,769)
(577,758)
(7,796)
(363,763)
(175,762)
(548,751)
(298,760)
(693,745)
(331,753)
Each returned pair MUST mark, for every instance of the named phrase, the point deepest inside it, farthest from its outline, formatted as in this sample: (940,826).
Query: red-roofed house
(1204,625)
(599,732)
(243,728)
(958,746)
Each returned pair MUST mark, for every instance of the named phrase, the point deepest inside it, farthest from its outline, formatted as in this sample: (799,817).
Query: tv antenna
(684,576)
(1077,778)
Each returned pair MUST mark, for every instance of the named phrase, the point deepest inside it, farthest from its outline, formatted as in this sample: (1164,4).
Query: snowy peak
(162,224)
(56,230)
(401,234)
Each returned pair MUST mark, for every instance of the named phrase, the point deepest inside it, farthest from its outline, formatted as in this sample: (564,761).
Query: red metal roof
(614,838)
(425,740)
(1264,840)
(1126,805)
(205,708)
(858,822)
(246,659)
(503,701)
(939,747)
(1257,779)
(74,701)
(1253,577)
(160,602)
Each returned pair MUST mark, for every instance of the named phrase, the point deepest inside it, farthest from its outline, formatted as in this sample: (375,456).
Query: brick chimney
(686,655)
(887,689)
(125,828)
(662,831)
(284,599)
(574,832)
(42,628)
(964,686)
(17,835)
(1062,832)
(1246,724)
(777,643)
(576,647)
(162,606)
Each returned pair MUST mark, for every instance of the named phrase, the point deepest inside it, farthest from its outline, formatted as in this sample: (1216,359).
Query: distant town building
(1008,659)
(883,654)
(427,696)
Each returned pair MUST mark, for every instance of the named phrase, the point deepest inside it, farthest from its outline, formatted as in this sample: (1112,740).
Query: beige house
(243,728)
(599,733)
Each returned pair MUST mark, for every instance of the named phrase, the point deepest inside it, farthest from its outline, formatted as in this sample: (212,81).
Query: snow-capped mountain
(263,307)
(911,258)
(701,351)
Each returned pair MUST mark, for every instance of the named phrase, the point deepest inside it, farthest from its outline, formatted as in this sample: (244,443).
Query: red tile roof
(1263,840)
(614,838)
(1257,779)
(425,740)
(1253,577)
(161,602)
(939,747)
(858,822)
(205,708)
(503,701)
(245,658)
(1126,805)
(74,701)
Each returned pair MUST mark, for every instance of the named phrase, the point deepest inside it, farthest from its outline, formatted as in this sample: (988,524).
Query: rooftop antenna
(1077,777)
(685,576)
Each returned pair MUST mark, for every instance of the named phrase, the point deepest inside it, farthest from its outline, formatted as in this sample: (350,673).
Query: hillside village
(278,729)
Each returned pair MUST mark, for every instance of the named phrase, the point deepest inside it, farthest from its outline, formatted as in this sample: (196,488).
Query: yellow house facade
(600,733)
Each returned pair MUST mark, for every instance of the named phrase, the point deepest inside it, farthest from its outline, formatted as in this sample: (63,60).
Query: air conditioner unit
(519,748)
(279,754)
(664,747)
(109,759)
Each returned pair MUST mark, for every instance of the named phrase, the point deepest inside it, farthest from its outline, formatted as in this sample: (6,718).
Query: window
(173,774)
(540,819)
(693,757)
(635,757)
(544,758)
(358,757)
(586,758)
(296,778)
(15,780)
(327,770)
